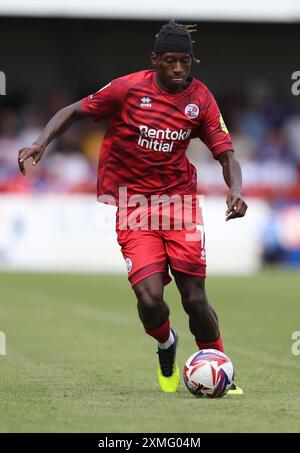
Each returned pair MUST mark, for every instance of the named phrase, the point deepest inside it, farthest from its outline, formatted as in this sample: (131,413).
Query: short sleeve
(104,103)
(212,129)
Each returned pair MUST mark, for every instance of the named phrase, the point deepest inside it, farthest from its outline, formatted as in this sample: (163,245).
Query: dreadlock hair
(174,37)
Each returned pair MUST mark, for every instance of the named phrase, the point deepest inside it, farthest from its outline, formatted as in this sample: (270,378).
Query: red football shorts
(149,250)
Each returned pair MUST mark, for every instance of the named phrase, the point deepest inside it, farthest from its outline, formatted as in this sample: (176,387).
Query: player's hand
(236,205)
(34,151)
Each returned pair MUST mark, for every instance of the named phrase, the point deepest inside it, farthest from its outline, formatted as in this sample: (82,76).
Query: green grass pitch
(78,360)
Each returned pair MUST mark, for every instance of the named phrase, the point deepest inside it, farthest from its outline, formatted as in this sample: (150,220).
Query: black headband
(173,38)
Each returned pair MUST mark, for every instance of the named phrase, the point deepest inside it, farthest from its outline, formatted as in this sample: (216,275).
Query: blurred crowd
(265,132)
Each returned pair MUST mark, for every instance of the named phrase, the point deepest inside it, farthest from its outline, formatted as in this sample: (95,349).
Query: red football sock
(218,344)
(161,333)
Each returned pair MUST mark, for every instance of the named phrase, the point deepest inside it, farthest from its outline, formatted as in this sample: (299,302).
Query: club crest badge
(192,111)
(128,264)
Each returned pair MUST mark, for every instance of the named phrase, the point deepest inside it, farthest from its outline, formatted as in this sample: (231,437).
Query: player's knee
(195,307)
(194,301)
(150,298)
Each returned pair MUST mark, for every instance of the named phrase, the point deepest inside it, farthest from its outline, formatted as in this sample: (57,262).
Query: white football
(208,373)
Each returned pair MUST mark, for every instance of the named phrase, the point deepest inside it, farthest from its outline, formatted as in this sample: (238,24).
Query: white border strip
(256,10)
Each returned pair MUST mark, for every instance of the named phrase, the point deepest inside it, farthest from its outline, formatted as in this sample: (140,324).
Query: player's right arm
(60,122)
(103,104)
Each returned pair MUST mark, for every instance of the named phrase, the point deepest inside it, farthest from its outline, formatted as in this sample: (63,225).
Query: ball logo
(128,264)
(192,111)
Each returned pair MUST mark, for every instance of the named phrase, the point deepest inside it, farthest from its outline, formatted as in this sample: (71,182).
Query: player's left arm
(236,205)
(214,133)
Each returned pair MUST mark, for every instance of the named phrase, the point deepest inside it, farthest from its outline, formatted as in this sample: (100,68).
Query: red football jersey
(148,133)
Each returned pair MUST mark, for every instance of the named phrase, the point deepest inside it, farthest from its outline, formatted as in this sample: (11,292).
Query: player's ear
(154,58)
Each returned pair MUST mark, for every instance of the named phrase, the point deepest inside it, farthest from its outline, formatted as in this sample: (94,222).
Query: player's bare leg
(203,320)
(154,314)
(153,310)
